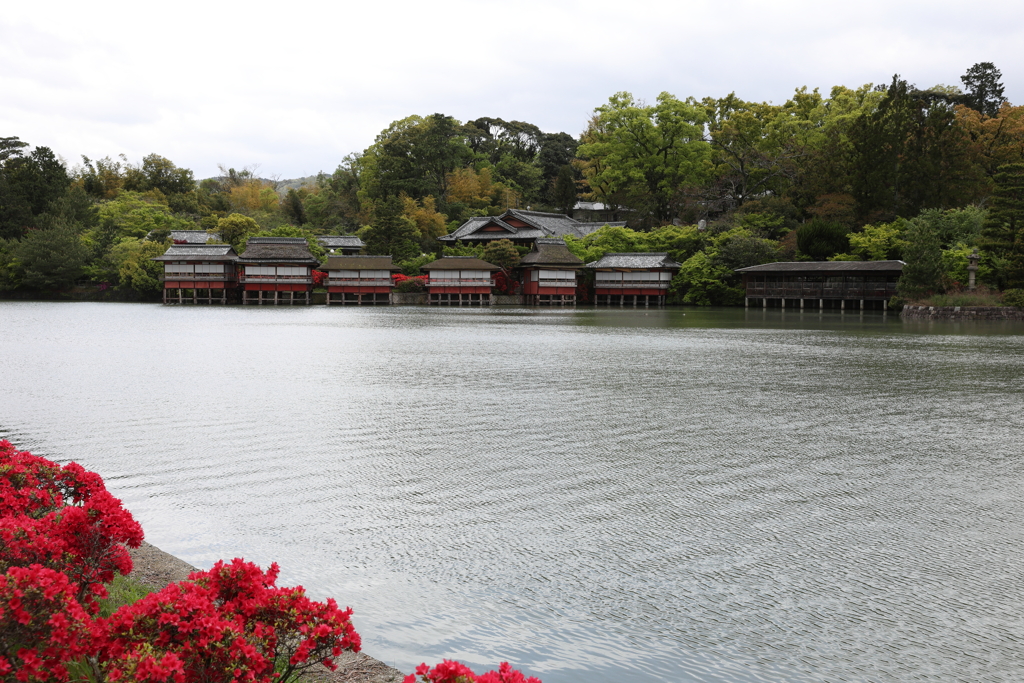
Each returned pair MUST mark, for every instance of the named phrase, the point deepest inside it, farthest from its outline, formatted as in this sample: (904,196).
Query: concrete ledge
(962,313)
(508,299)
(410,299)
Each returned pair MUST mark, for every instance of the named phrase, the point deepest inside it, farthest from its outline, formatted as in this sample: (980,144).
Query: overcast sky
(294,87)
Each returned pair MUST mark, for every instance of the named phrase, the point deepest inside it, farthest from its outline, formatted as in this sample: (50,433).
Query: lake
(593,495)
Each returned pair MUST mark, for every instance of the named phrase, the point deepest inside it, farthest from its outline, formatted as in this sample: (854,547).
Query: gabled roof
(193,236)
(475,223)
(459,263)
(540,225)
(359,263)
(278,250)
(551,252)
(635,260)
(340,242)
(198,252)
(825,267)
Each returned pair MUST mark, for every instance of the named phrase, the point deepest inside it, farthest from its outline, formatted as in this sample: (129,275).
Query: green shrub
(1013,297)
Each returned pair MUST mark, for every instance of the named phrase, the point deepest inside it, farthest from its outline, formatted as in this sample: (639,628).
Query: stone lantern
(972,268)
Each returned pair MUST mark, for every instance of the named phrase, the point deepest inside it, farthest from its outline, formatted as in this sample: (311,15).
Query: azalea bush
(454,672)
(42,625)
(409,285)
(231,623)
(63,536)
(63,518)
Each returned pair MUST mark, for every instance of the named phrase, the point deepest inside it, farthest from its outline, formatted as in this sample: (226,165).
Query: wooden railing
(357,282)
(546,282)
(270,279)
(197,276)
(631,284)
(819,290)
(459,283)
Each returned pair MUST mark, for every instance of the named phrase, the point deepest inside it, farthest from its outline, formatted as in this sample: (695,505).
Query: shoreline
(155,568)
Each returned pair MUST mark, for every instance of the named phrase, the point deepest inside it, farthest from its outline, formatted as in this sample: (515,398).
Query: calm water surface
(611,495)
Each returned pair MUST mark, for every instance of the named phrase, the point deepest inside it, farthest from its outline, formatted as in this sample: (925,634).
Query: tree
(909,155)
(160,173)
(391,233)
(502,253)
(563,191)
(28,184)
(753,155)
(1003,231)
(51,258)
(135,268)
(923,273)
(293,207)
(643,156)
(984,89)
(820,239)
(236,229)
(415,157)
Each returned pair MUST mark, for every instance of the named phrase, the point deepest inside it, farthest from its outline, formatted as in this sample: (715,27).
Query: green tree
(236,229)
(881,242)
(922,274)
(1003,231)
(563,193)
(135,269)
(293,208)
(643,156)
(28,184)
(391,233)
(51,258)
(160,173)
(502,253)
(984,89)
(820,239)
(909,154)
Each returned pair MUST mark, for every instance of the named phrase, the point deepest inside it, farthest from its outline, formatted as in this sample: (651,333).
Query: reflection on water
(609,495)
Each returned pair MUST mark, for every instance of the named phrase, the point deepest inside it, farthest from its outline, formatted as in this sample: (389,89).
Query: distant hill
(295,183)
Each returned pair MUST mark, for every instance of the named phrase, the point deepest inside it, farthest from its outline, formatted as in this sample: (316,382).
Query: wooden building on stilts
(633,279)
(277,271)
(359,280)
(460,281)
(822,284)
(549,274)
(200,274)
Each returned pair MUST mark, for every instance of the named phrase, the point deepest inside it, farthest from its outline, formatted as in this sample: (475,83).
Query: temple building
(822,283)
(199,274)
(549,274)
(277,271)
(359,280)
(346,245)
(521,227)
(633,278)
(460,281)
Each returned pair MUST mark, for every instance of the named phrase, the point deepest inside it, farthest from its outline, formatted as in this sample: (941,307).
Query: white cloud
(295,88)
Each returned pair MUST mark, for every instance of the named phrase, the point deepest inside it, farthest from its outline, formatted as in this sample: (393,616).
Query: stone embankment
(962,313)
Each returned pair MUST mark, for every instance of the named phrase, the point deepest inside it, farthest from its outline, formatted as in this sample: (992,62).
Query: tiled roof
(278,250)
(459,263)
(541,225)
(551,252)
(634,260)
(194,236)
(359,263)
(198,252)
(340,242)
(824,267)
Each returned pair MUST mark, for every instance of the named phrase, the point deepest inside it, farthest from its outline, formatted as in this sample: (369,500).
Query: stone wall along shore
(962,313)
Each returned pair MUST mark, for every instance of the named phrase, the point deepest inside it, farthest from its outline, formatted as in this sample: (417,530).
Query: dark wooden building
(633,278)
(549,274)
(199,274)
(520,227)
(346,245)
(277,271)
(359,280)
(822,283)
(460,281)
